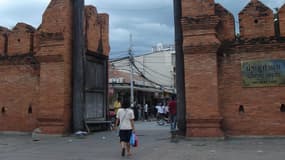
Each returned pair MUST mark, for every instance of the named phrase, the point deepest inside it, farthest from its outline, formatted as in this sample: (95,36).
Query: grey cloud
(149,21)
(29,11)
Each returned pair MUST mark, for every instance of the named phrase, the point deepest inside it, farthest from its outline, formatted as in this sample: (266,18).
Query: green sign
(262,73)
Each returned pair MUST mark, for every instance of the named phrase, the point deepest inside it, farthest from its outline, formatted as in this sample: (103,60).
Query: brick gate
(222,96)
(36,69)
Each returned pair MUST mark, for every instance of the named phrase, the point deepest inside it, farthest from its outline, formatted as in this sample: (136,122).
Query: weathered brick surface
(262,114)
(18,91)
(55,50)
(57,18)
(200,45)
(256,20)
(46,87)
(20,39)
(201,87)
(52,100)
(104,24)
(226,27)
(92,28)
(2,45)
(281,14)
(213,81)
(193,8)
(3,40)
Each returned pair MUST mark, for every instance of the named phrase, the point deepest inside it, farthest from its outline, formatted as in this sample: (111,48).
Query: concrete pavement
(154,144)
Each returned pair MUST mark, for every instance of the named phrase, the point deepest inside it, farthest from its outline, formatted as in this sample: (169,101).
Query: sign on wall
(262,73)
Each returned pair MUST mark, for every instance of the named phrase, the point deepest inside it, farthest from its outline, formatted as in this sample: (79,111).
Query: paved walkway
(154,144)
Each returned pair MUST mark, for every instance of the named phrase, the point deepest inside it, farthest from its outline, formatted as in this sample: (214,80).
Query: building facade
(153,76)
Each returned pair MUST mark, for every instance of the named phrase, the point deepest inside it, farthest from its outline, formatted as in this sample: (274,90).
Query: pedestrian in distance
(125,116)
(160,111)
(145,111)
(172,113)
(117,105)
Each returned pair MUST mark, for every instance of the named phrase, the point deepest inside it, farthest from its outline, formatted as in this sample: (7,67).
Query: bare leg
(123,146)
(128,149)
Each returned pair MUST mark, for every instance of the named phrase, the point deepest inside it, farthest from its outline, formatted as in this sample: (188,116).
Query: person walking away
(146,112)
(172,113)
(125,116)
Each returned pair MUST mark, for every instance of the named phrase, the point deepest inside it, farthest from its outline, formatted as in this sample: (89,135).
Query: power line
(153,70)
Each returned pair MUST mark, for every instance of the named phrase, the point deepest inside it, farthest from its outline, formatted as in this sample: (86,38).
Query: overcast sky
(149,21)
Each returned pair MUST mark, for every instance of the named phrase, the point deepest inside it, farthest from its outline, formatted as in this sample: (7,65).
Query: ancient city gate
(234,85)
(223,95)
(36,71)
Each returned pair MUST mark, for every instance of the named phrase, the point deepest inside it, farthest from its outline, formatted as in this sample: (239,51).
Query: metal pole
(132,72)
(180,82)
(77,65)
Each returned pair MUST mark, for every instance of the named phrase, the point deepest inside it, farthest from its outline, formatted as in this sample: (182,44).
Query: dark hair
(126,104)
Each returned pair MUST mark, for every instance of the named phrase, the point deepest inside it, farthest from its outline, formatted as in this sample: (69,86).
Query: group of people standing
(125,120)
(167,111)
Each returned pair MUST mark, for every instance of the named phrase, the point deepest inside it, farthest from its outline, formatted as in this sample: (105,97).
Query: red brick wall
(262,114)
(47,86)
(3,32)
(20,39)
(256,20)
(200,44)
(2,45)
(52,102)
(18,91)
(54,54)
(226,26)
(281,14)
(57,17)
(92,28)
(104,24)
(213,82)
(194,8)
(202,95)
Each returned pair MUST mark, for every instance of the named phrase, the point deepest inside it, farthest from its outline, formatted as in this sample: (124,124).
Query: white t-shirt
(166,109)
(125,115)
(160,109)
(145,108)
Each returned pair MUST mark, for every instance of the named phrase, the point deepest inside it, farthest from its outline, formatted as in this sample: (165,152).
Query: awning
(137,88)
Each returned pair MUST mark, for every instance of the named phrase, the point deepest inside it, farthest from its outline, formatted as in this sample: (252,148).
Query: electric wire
(153,70)
(146,78)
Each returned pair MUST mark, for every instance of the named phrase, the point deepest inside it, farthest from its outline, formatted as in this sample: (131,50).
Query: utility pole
(131,58)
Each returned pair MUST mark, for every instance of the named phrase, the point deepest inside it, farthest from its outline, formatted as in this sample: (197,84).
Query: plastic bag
(134,140)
